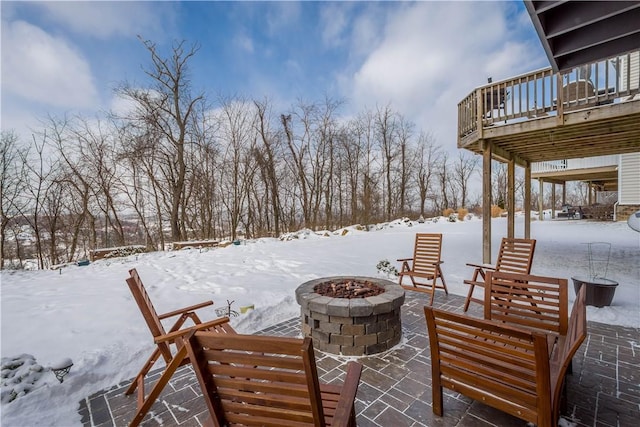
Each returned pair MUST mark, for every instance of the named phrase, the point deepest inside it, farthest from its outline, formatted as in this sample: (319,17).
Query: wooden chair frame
(511,369)
(164,342)
(515,256)
(269,381)
(425,265)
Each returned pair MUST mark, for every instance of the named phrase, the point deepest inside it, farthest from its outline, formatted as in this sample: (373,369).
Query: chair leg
(444,284)
(149,400)
(144,371)
(437,400)
(468,299)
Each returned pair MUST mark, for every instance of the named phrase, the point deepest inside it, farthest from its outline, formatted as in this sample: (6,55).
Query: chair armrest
(184,310)
(344,408)
(404,259)
(482,266)
(171,336)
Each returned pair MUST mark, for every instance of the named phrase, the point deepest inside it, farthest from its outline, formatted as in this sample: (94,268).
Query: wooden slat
(248,358)
(296,390)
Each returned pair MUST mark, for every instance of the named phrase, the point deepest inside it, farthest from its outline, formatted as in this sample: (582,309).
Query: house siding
(629,77)
(629,179)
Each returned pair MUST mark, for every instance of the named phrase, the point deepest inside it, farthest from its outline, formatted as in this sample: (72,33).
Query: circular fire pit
(351,315)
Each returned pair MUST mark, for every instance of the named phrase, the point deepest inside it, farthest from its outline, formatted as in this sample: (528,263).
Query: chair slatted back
(426,255)
(148,312)
(258,380)
(524,300)
(516,255)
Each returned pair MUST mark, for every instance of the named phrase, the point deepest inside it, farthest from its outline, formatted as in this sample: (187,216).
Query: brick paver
(395,388)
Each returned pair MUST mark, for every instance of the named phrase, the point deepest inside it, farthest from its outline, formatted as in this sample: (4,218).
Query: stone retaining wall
(624,211)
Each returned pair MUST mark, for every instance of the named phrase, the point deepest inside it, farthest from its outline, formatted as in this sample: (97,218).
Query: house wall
(629,186)
(629,179)
(630,71)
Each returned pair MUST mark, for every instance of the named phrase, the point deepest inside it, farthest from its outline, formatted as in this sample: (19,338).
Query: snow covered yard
(87,313)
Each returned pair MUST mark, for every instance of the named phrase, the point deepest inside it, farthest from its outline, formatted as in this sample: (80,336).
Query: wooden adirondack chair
(164,341)
(425,265)
(269,381)
(515,256)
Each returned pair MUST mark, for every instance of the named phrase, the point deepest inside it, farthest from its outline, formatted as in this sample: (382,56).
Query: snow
(87,314)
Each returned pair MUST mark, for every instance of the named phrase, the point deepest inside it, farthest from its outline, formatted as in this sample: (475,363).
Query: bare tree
(326,174)
(386,135)
(464,167)
(444,181)
(238,129)
(203,204)
(499,183)
(11,187)
(168,107)
(406,163)
(298,153)
(427,158)
(40,167)
(267,159)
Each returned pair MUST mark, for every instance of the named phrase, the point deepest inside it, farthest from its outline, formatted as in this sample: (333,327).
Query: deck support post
(540,199)
(553,200)
(527,201)
(511,198)
(486,203)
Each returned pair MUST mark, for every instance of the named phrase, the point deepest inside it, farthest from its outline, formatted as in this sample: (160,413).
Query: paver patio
(395,387)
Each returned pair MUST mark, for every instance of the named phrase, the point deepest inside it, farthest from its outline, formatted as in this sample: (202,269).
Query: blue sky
(421,57)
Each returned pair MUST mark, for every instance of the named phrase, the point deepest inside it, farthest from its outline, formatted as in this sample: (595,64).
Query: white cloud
(334,20)
(244,42)
(293,67)
(39,67)
(281,15)
(427,56)
(105,19)
(122,106)
(366,31)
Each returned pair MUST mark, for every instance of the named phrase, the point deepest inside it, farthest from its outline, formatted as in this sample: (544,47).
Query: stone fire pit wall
(351,327)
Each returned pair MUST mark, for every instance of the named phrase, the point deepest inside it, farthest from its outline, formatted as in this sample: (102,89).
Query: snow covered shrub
(452,217)
(385,267)
(19,376)
(462,214)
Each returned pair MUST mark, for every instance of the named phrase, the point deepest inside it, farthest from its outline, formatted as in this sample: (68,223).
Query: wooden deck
(543,116)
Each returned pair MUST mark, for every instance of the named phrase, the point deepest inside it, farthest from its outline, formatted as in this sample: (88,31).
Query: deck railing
(537,94)
(573,164)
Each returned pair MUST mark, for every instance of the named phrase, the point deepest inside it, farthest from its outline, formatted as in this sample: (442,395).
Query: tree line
(175,167)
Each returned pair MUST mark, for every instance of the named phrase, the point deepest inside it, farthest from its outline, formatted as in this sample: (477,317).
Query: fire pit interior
(351,315)
(348,288)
